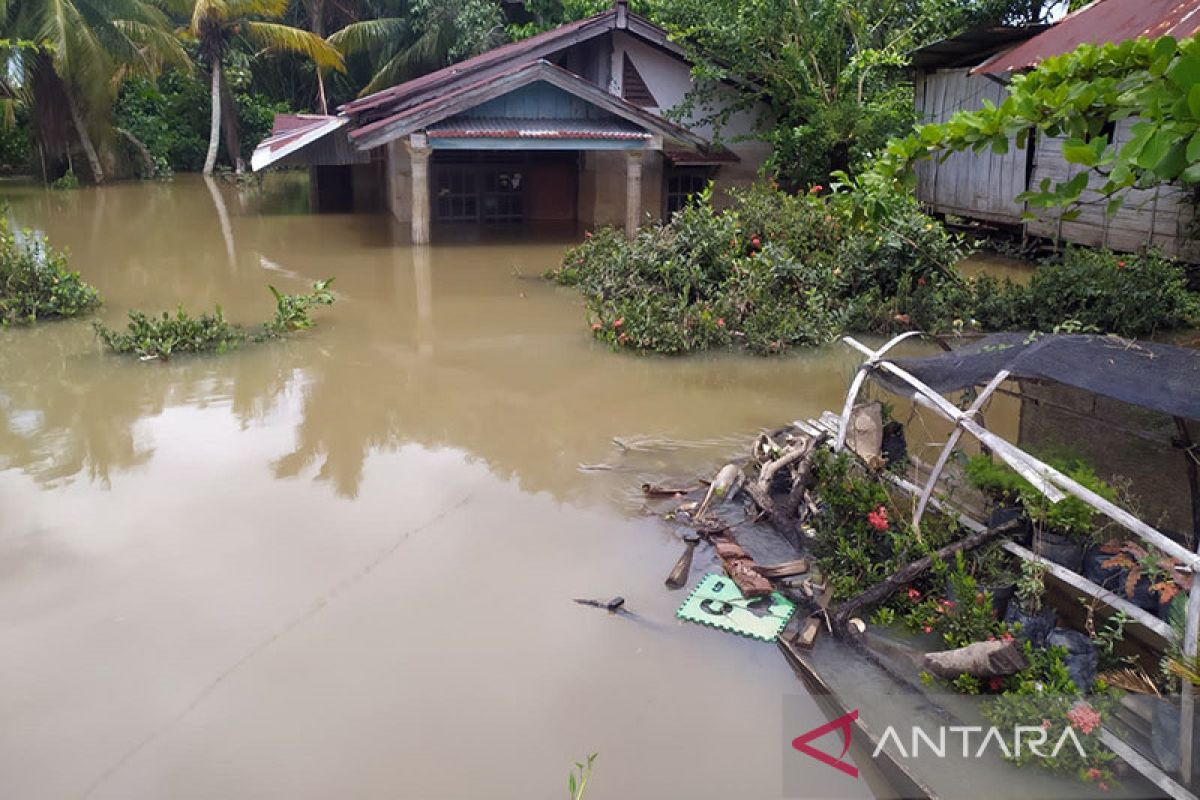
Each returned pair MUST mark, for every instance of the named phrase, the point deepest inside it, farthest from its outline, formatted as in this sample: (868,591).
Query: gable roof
(501,58)
(292,132)
(415,118)
(1100,22)
(971,47)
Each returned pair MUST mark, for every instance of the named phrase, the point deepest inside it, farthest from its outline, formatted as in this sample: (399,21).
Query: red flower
(816,187)
(1120,265)
(596,326)
(901,318)
(927,629)
(921,281)
(1045,724)
(996,683)
(720,322)
(1094,774)
(587,235)
(1083,717)
(618,322)
(878,519)
(623,338)
(1006,637)
(913,594)
(755,242)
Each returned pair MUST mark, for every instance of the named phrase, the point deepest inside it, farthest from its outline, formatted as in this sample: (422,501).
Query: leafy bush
(165,335)
(774,271)
(68,180)
(1068,517)
(35,282)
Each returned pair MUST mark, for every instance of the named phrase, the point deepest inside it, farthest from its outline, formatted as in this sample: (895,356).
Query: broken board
(716,602)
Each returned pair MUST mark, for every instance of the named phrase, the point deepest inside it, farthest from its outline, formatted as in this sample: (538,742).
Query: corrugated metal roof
(461,98)
(1099,23)
(479,128)
(501,58)
(292,132)
(969,48)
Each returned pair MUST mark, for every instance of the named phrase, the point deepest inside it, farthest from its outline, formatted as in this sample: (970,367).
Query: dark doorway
(504,188)
(333,189)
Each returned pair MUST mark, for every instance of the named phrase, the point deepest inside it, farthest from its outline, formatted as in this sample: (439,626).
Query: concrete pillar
(633,191)
(419,156)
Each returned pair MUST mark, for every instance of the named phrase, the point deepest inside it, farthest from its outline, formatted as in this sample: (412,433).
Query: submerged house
(961,73)
(565,126)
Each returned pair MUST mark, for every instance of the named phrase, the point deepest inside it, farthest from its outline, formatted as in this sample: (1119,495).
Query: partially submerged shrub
(35,282)
(165,335)
(778,270)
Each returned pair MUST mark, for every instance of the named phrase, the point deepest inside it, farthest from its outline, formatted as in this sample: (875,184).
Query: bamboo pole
(860,377)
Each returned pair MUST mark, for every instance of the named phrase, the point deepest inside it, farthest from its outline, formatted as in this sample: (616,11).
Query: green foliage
(578,779)
(968,618)
(1031,587)
(165,335)
(66,181)
(36,283)
(856,546)
(1078,96)
(171,117)
(1043,696)
(1068,517)
(16,140)
(774,271)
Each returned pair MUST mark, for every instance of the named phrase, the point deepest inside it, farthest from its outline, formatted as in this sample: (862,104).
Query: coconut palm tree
(440,32)
(72,55)
(217,24)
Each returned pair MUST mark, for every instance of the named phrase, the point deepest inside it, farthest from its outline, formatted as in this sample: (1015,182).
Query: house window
(633,88)
(503,199)
(457,197)
(683,184)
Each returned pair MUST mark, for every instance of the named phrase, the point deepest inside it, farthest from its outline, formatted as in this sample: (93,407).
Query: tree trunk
(214,128)
(317,23)
(85,141)
(229,128)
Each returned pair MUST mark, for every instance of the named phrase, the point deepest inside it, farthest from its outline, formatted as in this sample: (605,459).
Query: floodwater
(342,565)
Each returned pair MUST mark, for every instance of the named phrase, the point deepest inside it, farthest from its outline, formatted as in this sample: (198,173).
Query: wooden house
(566,126)
(960,73)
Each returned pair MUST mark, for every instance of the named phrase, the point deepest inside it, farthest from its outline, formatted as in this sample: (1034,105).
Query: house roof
(412,119)
(502,58)
(971,47)
(493,128)
(291,132)
(1100,22)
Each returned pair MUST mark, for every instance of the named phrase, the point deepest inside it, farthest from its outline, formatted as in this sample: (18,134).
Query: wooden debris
(653,490)
(784,570)
(807,634)
(996,659)
(740,566)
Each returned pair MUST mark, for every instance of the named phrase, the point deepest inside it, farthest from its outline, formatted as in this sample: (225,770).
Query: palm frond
(156,46)
(271,9)
(274,36)
(371,35)
(207,13)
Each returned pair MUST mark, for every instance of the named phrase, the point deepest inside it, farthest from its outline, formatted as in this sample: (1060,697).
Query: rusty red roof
(285,123)
(1100,22)
(501,58)
(463,97)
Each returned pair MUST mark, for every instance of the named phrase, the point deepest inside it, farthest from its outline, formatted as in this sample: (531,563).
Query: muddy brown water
(342,565)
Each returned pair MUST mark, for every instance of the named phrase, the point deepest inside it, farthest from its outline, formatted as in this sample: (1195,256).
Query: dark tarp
(1160,377)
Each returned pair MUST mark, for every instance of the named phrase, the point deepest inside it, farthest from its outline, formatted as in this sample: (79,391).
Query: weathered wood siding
(976,185)
(1157,217)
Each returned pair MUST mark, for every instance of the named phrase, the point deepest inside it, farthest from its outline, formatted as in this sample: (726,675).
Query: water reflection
(443,346)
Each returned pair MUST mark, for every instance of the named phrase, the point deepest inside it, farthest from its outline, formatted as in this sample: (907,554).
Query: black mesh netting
(1161,377)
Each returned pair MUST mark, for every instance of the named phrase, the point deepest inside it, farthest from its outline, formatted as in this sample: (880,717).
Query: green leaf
(1113,205)
(1191,174)
(999,144)
(1156,149)
(1193,148)
(1184,72)
(1193,100)
(1077,151)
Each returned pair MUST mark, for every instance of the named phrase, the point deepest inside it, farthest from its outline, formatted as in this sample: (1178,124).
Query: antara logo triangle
(841,723)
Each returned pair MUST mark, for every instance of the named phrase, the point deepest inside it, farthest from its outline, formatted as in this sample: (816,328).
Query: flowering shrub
(969,618)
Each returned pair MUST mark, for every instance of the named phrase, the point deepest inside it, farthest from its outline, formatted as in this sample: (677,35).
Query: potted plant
(1001,486)
(995,571)
(1028,611)
(1145,576)
(1062,530)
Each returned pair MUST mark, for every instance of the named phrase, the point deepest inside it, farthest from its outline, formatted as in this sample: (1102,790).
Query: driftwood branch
(909,573)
